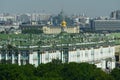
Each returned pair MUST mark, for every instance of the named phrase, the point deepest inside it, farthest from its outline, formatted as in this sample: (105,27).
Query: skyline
(90,8)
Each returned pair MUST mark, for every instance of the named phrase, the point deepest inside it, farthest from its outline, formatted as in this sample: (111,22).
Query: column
(92,55)
(30,58)
(13,58)
(113,63)
(61,56)
(0,57)
(38,57)
(6,56)
(19,63)
(103,64)
(118,56)
(41,57)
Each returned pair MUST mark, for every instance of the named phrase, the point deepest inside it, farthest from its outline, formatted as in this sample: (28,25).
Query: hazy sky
(89,7)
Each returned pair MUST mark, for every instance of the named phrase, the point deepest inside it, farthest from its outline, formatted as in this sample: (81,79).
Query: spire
(63,23)
(62,14)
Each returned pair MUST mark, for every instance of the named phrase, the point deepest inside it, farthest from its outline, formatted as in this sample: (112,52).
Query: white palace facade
(102,56)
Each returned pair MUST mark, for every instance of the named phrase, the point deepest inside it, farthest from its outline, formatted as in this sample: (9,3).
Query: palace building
(62,28)
(102,56)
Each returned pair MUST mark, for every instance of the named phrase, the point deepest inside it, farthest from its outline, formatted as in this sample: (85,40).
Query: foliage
(32,31)
(56,71)
(15,72)
(116,73)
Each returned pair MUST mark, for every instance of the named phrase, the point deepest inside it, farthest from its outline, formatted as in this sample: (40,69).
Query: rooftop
(56,41)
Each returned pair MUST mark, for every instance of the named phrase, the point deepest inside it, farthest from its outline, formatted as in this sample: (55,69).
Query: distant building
(32,25)
(81,20)
(105,25)
(23,18)
(57,30)
(49,29)
(7,18)
(115,14)
(7,28)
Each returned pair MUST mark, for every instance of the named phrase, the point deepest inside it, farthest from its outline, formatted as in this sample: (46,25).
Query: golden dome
(63,23)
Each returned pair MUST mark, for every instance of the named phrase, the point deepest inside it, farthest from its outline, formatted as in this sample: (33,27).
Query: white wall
(94,55)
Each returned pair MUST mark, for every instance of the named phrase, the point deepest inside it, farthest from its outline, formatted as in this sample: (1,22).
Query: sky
(88,7)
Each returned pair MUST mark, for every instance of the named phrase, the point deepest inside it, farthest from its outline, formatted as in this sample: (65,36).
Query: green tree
(32,31)
(116,73)
(56,70)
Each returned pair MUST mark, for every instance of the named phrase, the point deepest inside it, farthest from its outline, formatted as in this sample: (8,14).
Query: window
(109,51)
(47,56)
(86,53)
(101,51)
(57,56)
(78,54)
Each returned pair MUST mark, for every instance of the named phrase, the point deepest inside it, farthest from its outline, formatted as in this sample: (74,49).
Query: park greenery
(56,71)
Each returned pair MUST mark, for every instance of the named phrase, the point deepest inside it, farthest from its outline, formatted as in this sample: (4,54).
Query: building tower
(115,15)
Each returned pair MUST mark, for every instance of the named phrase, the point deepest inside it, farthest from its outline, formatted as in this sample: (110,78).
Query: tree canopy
(56,71)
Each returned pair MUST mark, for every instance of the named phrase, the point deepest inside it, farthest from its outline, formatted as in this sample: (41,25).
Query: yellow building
(51,30)
(62,28)
(57,30)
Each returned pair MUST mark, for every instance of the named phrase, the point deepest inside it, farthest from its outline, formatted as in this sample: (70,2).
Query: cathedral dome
(63,23)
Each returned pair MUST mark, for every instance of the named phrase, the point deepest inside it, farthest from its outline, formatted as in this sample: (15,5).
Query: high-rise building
(115,14)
